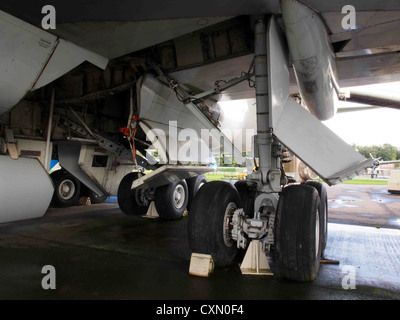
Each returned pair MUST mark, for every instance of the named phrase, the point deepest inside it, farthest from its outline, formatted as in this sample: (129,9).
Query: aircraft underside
(103,127)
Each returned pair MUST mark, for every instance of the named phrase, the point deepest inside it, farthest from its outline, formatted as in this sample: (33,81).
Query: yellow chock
(201,265)
(255,261)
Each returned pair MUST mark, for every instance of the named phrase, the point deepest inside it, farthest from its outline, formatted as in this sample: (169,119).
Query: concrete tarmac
(100,253)
(370,205)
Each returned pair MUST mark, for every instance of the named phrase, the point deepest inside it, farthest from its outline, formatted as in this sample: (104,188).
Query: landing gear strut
(288,220)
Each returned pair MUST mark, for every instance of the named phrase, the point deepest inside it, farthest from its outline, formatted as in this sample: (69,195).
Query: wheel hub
(228,224)
(66,189)
(179,196)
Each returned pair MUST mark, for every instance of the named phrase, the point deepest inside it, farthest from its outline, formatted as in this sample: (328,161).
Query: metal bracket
(111,146)
(68,155)
(220,88)
(266,200)
(255,228)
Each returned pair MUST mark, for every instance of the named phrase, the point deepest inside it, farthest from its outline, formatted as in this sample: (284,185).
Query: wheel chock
(255,261)
(329,261)
(151,211)
(201,265)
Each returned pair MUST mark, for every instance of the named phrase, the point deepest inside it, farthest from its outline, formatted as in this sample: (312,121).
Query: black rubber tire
(59,178)
(247,197)
(206,222)
(297,246)
(323,209)
(193,186)
(165,202)
(127,197)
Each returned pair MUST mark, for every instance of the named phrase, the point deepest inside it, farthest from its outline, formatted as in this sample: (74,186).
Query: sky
(371,127)
(363,128)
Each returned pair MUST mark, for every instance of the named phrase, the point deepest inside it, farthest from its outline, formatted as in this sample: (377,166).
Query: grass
(229,176)
(221,176)
(367,181)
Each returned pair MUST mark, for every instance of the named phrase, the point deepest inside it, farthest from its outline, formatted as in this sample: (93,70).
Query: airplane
(112,80)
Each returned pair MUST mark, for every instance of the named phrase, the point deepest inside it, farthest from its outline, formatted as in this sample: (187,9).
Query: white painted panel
(25,189)
(159,105)
(309,139)
(278,70)
(24,50)
(317,146)
(67,56)
(168,174)
(110,176)
(68,155)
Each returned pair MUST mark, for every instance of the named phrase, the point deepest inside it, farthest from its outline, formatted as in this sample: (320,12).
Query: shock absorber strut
(267,149)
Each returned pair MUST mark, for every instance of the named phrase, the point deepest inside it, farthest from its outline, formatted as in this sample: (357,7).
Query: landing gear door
(317,146)
(296,128)
(162,112)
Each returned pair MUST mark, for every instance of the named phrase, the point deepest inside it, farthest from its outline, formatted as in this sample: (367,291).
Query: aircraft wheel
(209,226)
(194,184)
(297,233)
(66,189)
(171,200)
(247,197)
(130,201)
(323,209)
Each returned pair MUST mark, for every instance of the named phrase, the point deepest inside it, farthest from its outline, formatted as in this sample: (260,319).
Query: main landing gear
(289,220)
(295,233)
(170,200)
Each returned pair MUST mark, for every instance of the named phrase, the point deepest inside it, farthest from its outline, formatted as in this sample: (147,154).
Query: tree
(386,152)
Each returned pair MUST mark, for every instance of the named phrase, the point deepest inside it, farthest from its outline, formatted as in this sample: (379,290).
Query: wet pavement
(370,205)
(100,253)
